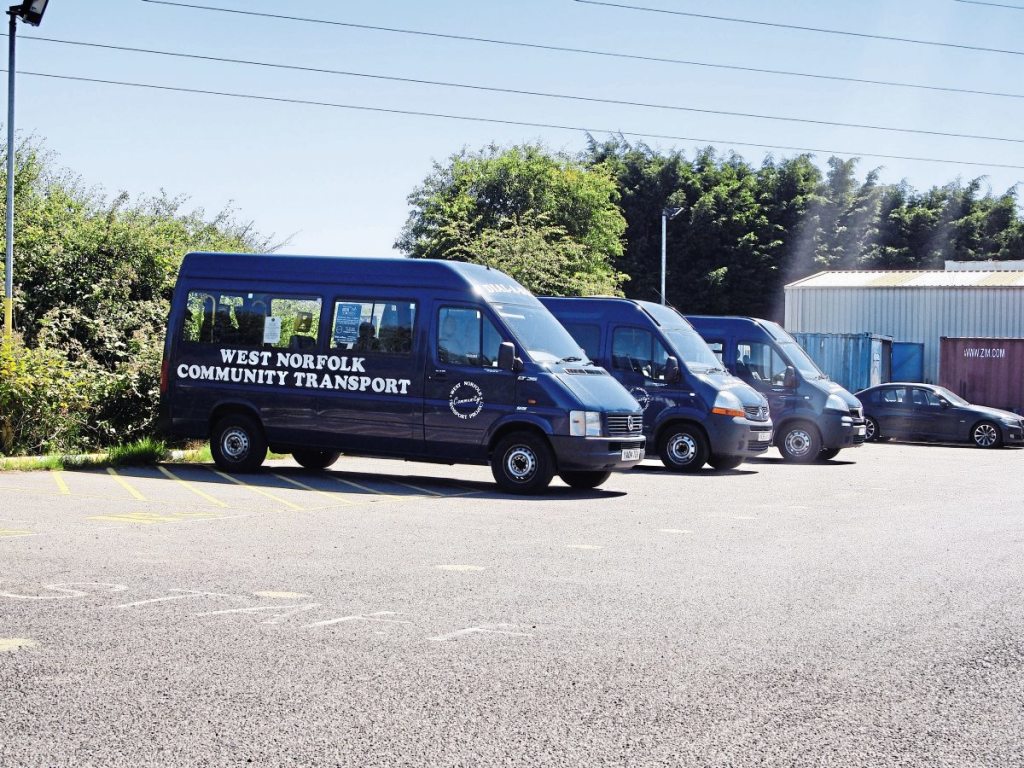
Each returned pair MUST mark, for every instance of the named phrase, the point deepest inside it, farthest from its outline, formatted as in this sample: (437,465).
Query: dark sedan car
(927,412)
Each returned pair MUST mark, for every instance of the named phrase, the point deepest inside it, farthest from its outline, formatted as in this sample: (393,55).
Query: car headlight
(584,423)
(836,403)
(727,404)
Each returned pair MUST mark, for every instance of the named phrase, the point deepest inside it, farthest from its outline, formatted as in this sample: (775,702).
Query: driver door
(762,367)
(638,362)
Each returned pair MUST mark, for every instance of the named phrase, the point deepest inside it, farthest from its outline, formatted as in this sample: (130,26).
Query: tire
(828,455)
(683,448)
(725,462)
(986,434)
(800,443)
(872,432)
(237,444)
(312,459)
(584,480)
(522,462)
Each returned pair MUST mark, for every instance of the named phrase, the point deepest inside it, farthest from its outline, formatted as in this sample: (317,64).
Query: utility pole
(666,214)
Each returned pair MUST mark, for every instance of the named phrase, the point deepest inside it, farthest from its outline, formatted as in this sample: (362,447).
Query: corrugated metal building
(910,306)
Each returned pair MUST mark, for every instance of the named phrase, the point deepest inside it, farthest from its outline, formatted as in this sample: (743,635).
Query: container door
(465,392)
(638,362)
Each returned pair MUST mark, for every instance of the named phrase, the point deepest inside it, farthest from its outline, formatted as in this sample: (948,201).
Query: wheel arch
(780,430)
(231,408)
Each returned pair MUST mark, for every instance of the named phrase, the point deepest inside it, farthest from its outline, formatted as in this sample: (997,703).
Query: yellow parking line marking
(167,473)
(332,496)
(153,518)
(417,488)
(124,484)
(258,490)
(10,533)
(62,487)
(367,489)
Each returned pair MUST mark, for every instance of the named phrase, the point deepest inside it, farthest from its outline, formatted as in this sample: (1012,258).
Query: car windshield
(800,360)
(692,349)
(955,399)
(540,335)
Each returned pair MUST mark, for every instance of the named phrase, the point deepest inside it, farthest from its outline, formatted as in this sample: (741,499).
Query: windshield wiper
(571,359)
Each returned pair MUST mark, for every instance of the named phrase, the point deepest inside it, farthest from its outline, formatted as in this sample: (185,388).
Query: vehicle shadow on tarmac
(779,462)
(929,444)
(659,469)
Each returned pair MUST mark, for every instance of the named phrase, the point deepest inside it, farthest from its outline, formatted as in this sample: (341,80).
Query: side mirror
(671,369)
(789,380)
(507,360)
(944,402)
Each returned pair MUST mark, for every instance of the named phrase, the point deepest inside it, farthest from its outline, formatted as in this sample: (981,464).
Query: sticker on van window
(294,369)
(346,323)
(272,330)
(466,400)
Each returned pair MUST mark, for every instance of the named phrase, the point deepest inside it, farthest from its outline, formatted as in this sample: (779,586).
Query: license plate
(862,430)
(763,436)
(632,454)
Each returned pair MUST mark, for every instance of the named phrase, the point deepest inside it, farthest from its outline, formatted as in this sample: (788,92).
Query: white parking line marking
(187,593)
(286,611)
(674,530)
(12,644)
(492,629)
(460,567)
(375,616)
(583,546)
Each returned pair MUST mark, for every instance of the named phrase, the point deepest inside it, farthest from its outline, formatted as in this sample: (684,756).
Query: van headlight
(727,404)
(836,403)
(585,423)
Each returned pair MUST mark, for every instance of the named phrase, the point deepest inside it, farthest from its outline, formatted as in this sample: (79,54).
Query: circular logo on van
(641,396)
(466,400)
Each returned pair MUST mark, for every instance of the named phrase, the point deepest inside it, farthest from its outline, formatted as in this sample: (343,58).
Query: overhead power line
(994,5)
(523,92)
(798,27)
(520,123)
(595,52)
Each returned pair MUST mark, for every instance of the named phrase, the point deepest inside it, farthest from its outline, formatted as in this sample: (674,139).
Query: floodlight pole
(9,262)
(666,214)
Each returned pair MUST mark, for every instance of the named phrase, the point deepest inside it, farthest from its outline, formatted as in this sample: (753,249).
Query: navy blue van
(416,359)
(814,418)
(695,412)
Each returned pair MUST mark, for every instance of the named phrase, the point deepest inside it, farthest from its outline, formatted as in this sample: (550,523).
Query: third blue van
(814,418)
(695,412)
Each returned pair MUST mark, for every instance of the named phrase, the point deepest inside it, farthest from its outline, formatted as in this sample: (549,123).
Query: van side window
(587,336)
(718,348)
(466,337)
(759,362)
(378,325)
(634,349)
(245,319)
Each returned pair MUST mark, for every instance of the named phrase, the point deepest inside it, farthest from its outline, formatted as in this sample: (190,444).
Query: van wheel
(584,480)
(800,443)
(237,444)
(522,463)
(315,459)
(683,448)
(828,455)
(725,462)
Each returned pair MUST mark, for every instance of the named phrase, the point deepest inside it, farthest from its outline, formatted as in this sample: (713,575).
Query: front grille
(618,424)
(756,412)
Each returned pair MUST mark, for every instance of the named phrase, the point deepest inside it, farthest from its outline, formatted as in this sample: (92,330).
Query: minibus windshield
(801,361)
(543,338)
(692,350)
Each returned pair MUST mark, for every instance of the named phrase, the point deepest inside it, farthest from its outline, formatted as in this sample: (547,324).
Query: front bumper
(731,436)
(840,431)
(596,453)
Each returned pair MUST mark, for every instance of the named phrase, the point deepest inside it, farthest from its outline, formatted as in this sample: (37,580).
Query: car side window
(895,397)
(759,362)
(465,336)
(925,398)
(636,350)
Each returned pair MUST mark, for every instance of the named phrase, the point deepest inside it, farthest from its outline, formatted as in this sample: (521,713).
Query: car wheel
(683,448)
(871,431)
(725,462)
(800,443)
(315,459)
(237,444)
(828,455)
(986,434)
(584,480)
(522,463)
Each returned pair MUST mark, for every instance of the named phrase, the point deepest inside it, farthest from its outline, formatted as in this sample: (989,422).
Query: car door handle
(439,374)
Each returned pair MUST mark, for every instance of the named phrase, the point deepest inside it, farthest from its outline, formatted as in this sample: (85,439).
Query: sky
(330,180)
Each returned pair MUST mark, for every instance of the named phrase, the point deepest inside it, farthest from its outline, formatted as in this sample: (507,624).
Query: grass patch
(141,452)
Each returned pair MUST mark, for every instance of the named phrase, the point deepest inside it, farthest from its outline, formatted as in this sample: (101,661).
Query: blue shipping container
(855,361)
(907,361)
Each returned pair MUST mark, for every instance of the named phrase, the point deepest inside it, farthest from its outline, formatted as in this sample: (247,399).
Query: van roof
(721,322)
(599,307)
(489,284)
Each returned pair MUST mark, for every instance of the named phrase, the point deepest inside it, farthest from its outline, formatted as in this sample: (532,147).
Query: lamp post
(666,214)
(31,12)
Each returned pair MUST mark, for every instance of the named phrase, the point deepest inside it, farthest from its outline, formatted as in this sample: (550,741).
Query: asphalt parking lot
(863,612)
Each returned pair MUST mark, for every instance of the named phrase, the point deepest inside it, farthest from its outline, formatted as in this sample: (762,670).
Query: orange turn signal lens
(728,412)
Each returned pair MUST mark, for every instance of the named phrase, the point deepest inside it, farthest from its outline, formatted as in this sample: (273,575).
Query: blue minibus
(814,418)
(695,412)
(436,361)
